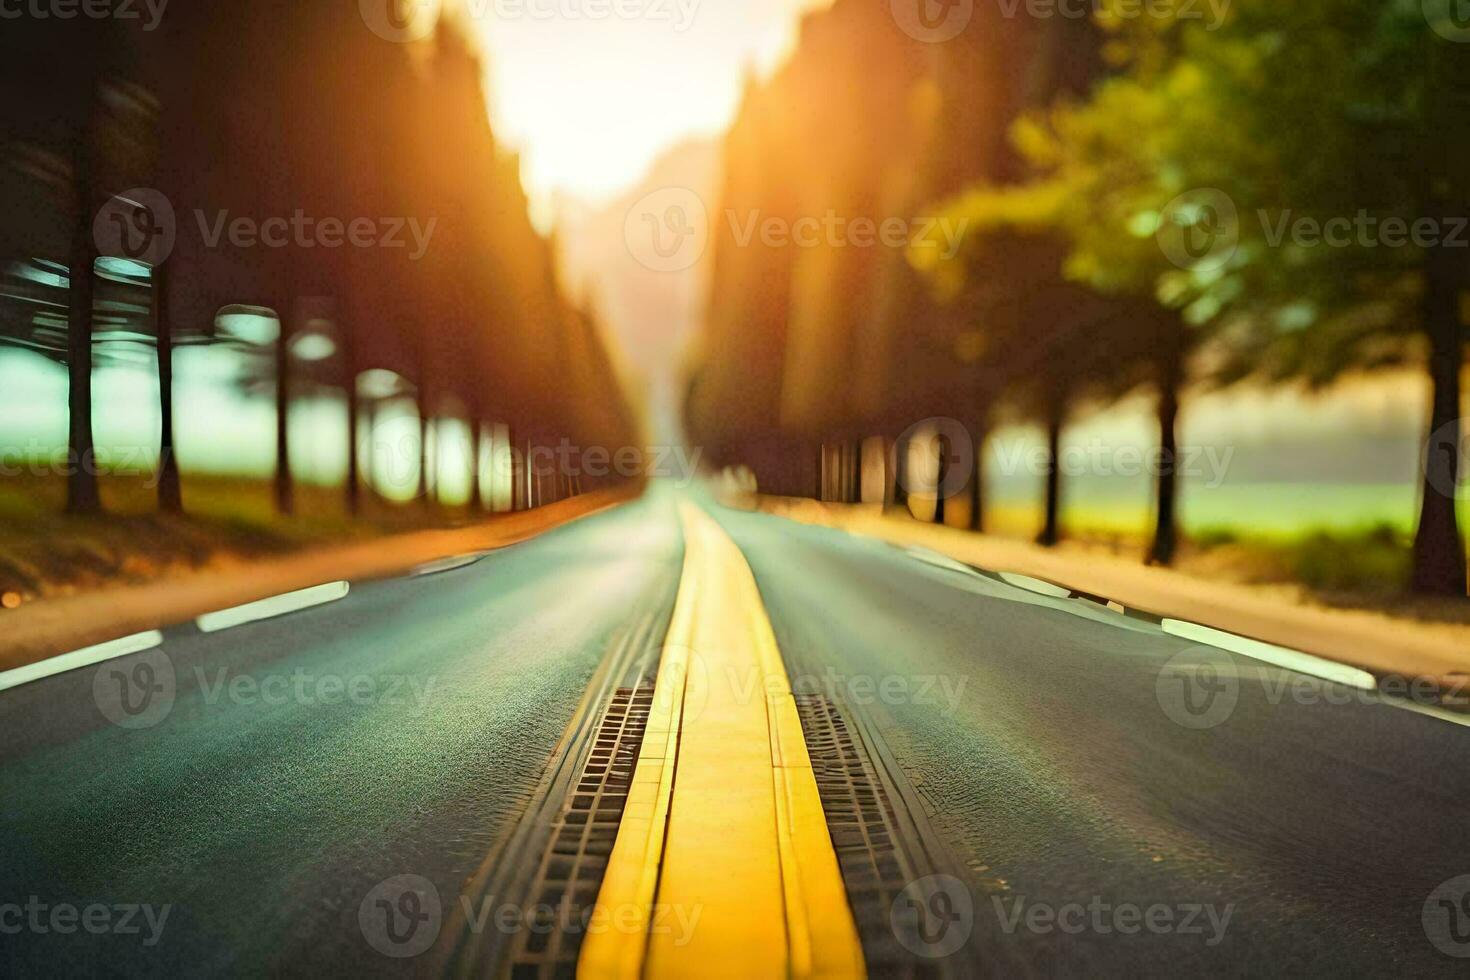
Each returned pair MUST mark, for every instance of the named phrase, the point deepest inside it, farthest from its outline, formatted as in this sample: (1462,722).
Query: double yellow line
(723,822)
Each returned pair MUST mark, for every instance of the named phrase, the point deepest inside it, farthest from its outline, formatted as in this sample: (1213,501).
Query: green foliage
(1314,109)
(1375,560)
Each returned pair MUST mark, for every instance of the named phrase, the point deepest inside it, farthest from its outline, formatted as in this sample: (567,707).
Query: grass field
(44,551)
(1349,544)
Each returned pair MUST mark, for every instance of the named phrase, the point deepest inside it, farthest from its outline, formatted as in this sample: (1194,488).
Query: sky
(591,103)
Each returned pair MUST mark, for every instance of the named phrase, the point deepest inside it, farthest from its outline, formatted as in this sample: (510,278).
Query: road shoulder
(47,628)
(1381,644)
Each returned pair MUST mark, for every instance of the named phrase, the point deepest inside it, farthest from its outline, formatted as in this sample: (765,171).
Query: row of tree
(283,159)
(1108,175)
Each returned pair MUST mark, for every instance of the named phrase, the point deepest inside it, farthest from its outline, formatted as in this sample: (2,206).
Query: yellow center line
(723,825)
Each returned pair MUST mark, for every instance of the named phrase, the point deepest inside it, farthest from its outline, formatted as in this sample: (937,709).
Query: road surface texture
(261,815)
(1040,730)
(1115,800)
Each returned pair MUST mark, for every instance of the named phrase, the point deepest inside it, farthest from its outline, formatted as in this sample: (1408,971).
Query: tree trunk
(170,492)
(476,504)
(354,413)
(81,488)
(901,473)
(820,488)
(531,475)
(427,452)
(977,481)
(1439,550)
(515,470)
(285,498)
(843,473)
(844,479)
(1170,378)
(493,465)
(370,451)
(941,475)
(889,483)
(1051,530)
(857,471)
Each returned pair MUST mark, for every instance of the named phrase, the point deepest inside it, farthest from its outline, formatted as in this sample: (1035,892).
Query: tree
(1149,176)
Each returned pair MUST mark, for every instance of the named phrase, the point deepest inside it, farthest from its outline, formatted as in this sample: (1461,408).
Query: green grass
(1379,559)
(1373,560)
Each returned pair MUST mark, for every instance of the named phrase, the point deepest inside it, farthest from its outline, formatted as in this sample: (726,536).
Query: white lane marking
(935,558)
(447,564)
(85,657)
(1453,717)
(1302,663)
(1036,585)
(277,605)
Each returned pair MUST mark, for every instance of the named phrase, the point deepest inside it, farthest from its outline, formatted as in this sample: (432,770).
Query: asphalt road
(1043,733)
(303,759)
(1112,810)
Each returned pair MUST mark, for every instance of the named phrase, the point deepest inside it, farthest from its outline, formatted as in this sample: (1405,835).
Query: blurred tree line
(128,153)
(1131,189)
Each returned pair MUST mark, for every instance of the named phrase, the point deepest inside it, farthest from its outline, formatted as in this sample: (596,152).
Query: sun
(591,100)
